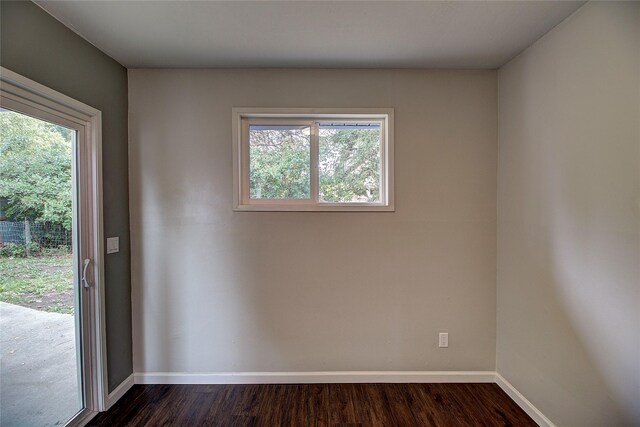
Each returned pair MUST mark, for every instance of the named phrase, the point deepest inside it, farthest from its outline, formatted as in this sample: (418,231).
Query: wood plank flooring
(272,405)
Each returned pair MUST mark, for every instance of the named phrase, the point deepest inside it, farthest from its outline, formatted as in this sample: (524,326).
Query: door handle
(85,282)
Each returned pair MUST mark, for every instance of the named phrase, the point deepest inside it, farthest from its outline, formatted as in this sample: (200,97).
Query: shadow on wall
(573,303)
(594,245)
(569,265)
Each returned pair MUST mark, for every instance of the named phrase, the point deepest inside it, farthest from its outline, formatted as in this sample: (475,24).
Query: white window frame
(242,117)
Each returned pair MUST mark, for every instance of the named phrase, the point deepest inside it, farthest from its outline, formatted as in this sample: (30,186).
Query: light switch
(113,245)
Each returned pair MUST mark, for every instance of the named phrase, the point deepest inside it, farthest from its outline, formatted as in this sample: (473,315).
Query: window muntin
(311,160)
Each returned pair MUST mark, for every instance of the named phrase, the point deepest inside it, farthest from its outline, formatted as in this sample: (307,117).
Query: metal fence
(46,235)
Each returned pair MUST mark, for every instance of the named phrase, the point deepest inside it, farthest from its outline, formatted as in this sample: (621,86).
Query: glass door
(44,255)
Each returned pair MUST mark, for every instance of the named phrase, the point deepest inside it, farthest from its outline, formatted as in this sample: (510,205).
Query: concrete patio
(38,376)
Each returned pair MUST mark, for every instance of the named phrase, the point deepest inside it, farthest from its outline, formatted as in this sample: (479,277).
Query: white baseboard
(119,391)
(523,402)
(316,377)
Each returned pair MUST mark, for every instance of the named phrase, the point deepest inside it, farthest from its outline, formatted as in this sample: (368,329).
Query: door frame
(16,89)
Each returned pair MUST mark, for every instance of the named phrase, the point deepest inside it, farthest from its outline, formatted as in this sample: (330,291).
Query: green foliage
(13,250)
(349,164)
(33,248)
(279,164)
(35,169)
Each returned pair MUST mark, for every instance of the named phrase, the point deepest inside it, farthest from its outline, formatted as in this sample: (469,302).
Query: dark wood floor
(315,405)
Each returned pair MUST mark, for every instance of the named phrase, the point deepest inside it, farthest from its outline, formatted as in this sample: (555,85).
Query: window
(313,159)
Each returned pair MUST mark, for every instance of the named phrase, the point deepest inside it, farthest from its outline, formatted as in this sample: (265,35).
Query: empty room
(310,212)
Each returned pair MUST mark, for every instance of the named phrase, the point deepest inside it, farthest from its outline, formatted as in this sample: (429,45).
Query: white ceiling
(342,34)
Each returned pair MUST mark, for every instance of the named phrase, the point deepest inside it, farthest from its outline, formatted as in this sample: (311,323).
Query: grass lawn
(43,283)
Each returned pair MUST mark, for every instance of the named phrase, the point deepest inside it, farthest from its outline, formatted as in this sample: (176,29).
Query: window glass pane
(349,162)
(279,161)
(41,369)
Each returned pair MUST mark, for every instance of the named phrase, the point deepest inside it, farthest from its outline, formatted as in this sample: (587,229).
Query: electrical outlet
(443,339)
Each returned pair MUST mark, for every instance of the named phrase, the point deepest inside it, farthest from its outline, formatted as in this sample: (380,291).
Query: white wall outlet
(113,245)
(443,340)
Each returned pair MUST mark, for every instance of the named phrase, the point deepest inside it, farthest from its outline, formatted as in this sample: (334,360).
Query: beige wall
(216,290)
(569,219)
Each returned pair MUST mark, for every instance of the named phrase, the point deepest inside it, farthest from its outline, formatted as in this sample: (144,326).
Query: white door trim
(119,391)
(19,89)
